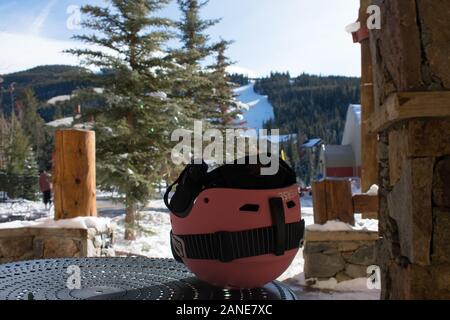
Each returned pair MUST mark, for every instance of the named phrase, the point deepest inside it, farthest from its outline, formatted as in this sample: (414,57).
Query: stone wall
(411,52)
(343,255)
(20,244)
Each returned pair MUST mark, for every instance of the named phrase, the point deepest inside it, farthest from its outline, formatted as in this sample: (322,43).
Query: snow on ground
(331,290)
(259,108)
(23,210)
(154,237)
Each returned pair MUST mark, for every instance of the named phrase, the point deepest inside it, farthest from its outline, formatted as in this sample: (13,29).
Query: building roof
(352,131)
(64,122)
(311,143)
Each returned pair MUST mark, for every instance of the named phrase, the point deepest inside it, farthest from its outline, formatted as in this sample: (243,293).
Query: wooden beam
(369,163)
(408,105)
(74,174)
(364,203)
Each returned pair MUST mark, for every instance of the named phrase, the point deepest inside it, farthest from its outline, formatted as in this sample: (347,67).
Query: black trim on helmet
(195,178)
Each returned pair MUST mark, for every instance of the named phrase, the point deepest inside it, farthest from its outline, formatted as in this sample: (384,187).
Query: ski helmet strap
(229,246)
(279,224)
(169,189)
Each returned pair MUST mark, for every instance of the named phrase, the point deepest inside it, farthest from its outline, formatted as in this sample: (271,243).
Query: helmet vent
(291,204)
(249,208)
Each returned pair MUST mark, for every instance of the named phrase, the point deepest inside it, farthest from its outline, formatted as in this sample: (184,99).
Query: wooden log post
(74,174)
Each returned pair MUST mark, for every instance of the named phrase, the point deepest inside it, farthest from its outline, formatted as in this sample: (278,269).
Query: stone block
(428,137)
(319,247)
(346,246)
(319,265)
(342,276)
(418,138)
(38,248)
(417,282)
(398,153)
(396,49)
(410,205)
(364,256)
(434,20)
(15,247)
(441,183)
(57,247)
(356,271)
(441,236)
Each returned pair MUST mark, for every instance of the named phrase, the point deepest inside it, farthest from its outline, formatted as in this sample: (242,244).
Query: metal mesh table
(119,279)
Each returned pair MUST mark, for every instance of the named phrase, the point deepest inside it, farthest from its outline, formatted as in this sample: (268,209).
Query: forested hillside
(315,106)
(46,82)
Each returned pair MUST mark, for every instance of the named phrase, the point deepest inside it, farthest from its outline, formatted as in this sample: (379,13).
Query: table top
(118,279)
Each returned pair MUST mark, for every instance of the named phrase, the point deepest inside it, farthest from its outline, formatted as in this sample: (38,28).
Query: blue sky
(270,35)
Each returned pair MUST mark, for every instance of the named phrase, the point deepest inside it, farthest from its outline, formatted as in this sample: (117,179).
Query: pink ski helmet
(233,227)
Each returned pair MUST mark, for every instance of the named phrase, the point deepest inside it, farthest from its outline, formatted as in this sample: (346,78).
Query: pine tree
(224,110)
(5,128)
(17,156)
(134,128)
(30,181)
(18,149)
(193,37)
(34,127)
(191,81)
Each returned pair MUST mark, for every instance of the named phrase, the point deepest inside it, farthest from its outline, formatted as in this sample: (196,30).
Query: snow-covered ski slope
(259,107)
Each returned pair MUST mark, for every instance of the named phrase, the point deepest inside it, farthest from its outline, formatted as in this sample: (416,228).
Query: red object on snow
(238,217)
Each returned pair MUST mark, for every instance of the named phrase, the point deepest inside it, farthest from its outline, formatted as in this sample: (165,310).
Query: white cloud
(39,21)
(24,51)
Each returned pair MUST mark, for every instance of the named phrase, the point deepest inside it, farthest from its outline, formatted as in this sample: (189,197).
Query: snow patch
(100,224)
(373,191)
(258,110)
(336,225)
(359,284)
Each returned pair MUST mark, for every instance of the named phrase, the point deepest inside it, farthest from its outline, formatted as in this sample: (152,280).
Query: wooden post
(369,170)
(320,202)
(74,174)
(339,201)
(332,200)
